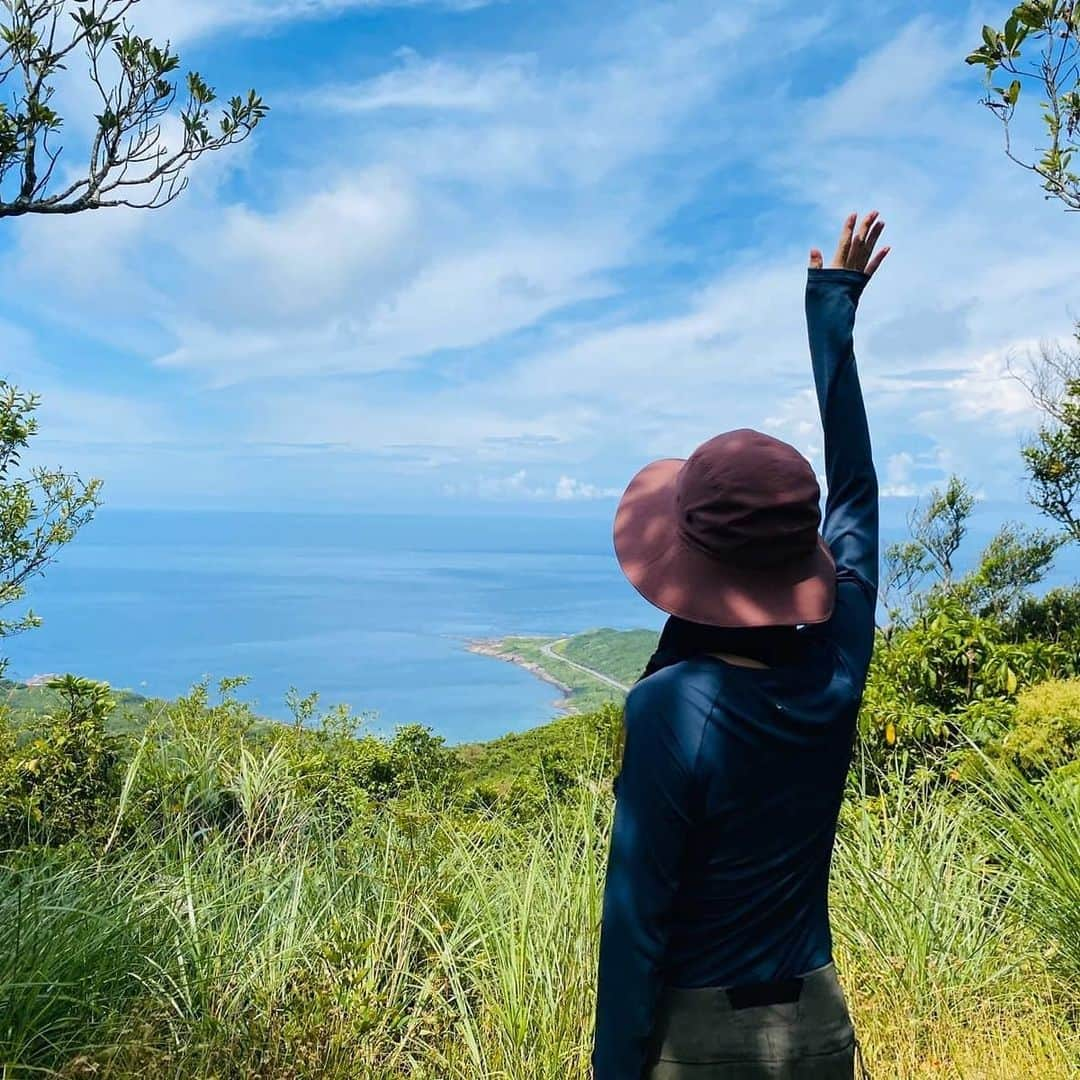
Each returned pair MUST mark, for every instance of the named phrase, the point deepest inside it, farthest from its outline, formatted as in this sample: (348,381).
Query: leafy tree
(937,531)
(1039,45)
(923,566)
(128,163)
(1053,617)
(1013,561)
(1052,455)
(39,512)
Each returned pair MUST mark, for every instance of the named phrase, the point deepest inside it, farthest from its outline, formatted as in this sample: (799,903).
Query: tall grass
(942,969)
(424,943)
(1036,829)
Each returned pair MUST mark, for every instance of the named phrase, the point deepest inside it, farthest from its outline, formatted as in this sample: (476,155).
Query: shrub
(63,779)
(949,678)
(1046,727)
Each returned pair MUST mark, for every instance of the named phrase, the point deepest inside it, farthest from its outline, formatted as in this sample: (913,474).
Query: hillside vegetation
(622,654)
(188,890)
(210,895)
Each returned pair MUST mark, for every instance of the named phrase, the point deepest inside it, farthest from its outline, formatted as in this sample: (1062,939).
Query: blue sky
(505,253)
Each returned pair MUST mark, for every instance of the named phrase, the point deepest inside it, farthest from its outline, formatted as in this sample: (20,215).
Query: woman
(715,950)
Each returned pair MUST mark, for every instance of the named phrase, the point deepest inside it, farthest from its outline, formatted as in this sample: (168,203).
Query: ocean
(374,611)
(371,610)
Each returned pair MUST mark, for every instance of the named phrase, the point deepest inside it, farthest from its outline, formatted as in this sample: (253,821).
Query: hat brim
(686,582)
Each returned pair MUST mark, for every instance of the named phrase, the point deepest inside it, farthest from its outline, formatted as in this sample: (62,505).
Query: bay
(371,610)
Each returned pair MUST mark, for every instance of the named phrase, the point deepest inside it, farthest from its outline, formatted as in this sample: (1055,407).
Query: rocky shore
(498,651)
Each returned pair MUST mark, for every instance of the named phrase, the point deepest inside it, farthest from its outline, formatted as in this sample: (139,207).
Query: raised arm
(851,507)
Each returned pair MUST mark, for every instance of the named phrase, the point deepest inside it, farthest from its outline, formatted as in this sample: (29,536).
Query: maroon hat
(730,536)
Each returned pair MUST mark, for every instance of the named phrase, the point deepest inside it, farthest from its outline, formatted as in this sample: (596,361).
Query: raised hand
(855,251)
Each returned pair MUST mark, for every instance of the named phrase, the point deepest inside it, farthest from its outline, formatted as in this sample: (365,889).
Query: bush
(949,678)
(63,779)
(1046,727)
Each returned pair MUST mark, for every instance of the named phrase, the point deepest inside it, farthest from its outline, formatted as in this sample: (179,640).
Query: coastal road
(549,650)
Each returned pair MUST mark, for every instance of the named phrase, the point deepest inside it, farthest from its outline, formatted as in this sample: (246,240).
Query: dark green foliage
(345,774)
(61,779)
(946,671)
(932,679)
(1053,617)
(586,744)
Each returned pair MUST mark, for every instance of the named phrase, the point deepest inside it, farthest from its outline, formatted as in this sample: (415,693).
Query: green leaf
(990,36)
(1012,95)
(1011,28)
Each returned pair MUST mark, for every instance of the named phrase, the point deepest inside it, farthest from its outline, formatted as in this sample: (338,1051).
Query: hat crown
(749,499)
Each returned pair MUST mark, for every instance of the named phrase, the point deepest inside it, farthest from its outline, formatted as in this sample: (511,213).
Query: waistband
(821,980)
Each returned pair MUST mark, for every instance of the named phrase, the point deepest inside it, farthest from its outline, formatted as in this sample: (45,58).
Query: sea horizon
(375,610)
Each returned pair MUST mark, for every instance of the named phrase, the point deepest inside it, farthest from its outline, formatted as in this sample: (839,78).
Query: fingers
(843,249)
(876,261)
(872,238)
(855,250)
(860,251)
(864,229)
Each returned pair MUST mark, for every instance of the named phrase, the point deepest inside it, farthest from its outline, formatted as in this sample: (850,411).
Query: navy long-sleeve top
(732,777)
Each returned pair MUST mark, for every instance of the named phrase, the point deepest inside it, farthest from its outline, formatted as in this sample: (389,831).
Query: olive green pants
(702,1035)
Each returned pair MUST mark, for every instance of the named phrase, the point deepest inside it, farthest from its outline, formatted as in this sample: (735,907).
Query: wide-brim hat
(729,536)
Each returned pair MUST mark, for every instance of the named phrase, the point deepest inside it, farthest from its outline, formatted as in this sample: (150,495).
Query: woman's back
(771,749)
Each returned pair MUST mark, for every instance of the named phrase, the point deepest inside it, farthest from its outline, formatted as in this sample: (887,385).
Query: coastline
(496,650)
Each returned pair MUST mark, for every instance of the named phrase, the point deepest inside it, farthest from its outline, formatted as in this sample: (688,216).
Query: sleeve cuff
(845,277)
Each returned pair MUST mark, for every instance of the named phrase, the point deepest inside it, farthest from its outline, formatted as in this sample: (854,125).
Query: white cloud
(420,83)
(898,479)
(380,264)
(893,92)
(533,269)
(569,489)
(521,485)
(988,391)
(187,19)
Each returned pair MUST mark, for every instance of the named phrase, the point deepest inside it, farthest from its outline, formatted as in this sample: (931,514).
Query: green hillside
(622,654)
(619,654)
(23,704)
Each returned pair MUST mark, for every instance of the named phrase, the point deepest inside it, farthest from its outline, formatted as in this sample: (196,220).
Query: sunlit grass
(423,943)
